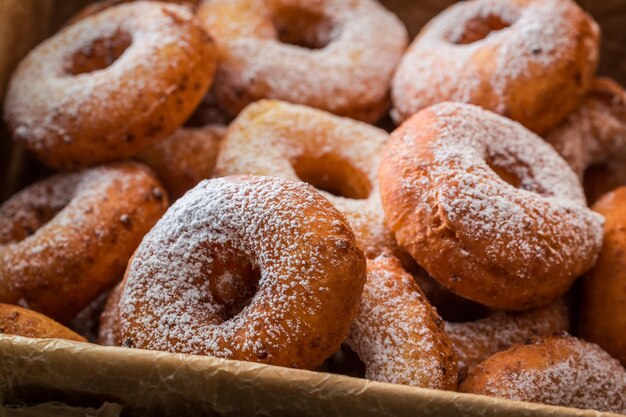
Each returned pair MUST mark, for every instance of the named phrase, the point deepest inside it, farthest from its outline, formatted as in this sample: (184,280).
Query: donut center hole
(233,285)
(300,27)
(334,175)
(30,221)
(506,175)
(479,28)
(345,362)
(598,179)
(100,54)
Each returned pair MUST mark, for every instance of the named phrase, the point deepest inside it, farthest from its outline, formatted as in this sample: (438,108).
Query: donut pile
(457,252)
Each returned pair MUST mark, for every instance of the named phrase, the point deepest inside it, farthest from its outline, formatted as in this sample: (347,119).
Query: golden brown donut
(67,238)
(397,333)
(486,207)
(184,158)
(334,55)
(559,370)
(110,85)
(528,60)
(248,268)
(475,341)
(19,321)
(339,156)
(593,138)
(109,329)
(603,309)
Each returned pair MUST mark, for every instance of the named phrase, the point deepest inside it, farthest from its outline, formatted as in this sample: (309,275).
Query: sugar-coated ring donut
(67,238)
(110,85)
(593,138)
(185,158)
(397,333)
(98,6)
(109,328)
(603,308)
(190,287)
(334,55)
(477,340)
(560,370)
(486,207)
(19,321)
(332,153)
(528,60)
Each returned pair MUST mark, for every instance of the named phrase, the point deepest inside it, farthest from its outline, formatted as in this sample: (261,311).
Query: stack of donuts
(225,188)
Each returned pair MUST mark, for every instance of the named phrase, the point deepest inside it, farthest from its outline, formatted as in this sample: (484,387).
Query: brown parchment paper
(163,384)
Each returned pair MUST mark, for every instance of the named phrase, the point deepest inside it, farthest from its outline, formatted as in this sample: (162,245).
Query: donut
(397,333)
(99,6)
(528,60)
(593,138)
(334,55)
(67,238)
(247,268)
(487,208)
(603,307)
(475,341)
(338,156)
(19,321)
(559,370)
(185,158)
(109,328)
(110,85)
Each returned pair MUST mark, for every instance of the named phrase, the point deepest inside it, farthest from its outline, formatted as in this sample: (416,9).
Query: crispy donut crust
(74,103)
(249,268)
(559,370)
(486,207)
(19,321)
(593,138)
(67,238)
(397,334)
(357,45)
(528,60)
(603,309)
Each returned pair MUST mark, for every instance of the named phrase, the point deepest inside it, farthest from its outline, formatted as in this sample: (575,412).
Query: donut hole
(233,284)
(506,175)
(301,27)
(99,54)
(334,175)
(479,28)
(598,179)
(345,362)
(30,221)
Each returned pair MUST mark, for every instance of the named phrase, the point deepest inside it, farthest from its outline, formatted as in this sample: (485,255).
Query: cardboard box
(62,378)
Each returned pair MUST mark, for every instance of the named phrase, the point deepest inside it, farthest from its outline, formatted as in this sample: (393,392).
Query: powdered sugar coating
(506,70)
(287,132)
(398,334)
(310,275)
(350,76)
(561,371)
(471,230)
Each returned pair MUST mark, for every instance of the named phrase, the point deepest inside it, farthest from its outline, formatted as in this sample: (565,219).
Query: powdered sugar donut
(486,207)
(66,239)
(248,268)
(561,371)
(477,340)
(528,60)
(335,55)
(19,321)
(593,138)
(185,158)
(398,334)
(109,85)
(337,155)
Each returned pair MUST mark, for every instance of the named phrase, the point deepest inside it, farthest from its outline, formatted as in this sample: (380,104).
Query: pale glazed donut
(19,321)
(486,207)
(356,47)
(109,329)
(188,284)
(67,238)
(560,370)
(185,158)
(475,341)
(398,334)
(528,60)
(110,85)
(301,143)
(603,309)
(593,138)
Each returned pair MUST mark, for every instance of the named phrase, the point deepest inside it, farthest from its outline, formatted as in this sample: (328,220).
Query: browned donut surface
(560,370)
(19,321)
(67,238)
